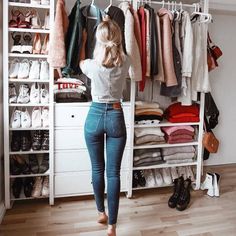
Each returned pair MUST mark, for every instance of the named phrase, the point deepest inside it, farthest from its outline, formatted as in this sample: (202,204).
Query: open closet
(68,166)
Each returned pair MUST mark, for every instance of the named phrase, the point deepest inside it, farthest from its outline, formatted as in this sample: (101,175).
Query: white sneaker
(166,176)
(25,119)
(16,119)
(24,96)
(23,72)
(16,49)
(216,185)
(149,177)
(36,118)
(174,173)
(34,70)
(37,188)
(45,117)
(12,93)
(45,189)
(14,68)
(44,72)
(158,177)
(44,95)
(35,93)
(28,49)
(208,184)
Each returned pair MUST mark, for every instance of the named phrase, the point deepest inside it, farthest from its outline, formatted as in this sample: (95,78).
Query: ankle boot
(216,185)
(45,140)
(178,184)
(184,197)
(15,141)
(208,184)
(16,187)
(37,140)
(25,141)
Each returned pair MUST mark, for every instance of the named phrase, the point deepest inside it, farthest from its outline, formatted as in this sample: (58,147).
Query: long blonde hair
(109,50)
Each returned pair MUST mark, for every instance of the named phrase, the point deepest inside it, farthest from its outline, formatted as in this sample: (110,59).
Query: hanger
(92,4)
(107,8)
(163,4)
(197,13)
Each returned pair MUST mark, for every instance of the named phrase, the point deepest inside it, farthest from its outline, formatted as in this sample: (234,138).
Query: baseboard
(2,211)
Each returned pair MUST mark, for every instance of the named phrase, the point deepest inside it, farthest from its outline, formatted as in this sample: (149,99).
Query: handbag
(210,142)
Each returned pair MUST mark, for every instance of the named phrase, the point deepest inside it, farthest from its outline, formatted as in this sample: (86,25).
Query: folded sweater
(180,156)
(146,131)
(149,138)
(173,150)
(142,104)
(170,130)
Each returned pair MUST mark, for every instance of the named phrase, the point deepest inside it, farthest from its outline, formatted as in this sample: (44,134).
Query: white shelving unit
(7,57)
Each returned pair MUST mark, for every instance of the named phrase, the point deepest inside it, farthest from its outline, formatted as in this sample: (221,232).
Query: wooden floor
(147,214)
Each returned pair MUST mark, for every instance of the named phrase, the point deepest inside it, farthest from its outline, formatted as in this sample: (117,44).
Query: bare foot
(111,231)
(102,218)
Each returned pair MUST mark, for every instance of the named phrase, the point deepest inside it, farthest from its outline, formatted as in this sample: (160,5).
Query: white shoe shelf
(9,107)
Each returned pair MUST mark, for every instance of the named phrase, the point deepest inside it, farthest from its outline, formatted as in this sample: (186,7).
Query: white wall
(223,81)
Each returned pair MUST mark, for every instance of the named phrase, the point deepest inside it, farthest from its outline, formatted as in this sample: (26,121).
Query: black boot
(184,197)
(45,140)
(28,186)
(15,141)
(178,184)
(16,187)
(25,141)
(37,140)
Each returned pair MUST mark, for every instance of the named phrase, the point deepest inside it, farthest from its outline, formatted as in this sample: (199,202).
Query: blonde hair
(109,50)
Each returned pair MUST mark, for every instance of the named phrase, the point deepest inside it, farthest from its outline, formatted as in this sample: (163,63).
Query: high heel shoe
(45,47)
(37,46)
(46,21)
(25,21)
(35,20)
(15,18)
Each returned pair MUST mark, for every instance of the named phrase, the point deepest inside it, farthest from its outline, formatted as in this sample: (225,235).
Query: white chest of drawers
(72,163)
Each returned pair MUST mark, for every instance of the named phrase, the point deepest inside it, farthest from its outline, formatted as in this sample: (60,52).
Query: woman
(105,121)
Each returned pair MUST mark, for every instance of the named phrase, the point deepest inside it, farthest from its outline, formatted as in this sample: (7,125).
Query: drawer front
(69,116)
(75,116)
(79,183)
(73,161)
(67,139)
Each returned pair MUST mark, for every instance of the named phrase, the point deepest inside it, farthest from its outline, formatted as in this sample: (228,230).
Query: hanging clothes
(167,49)
(132,49)
(73,40)
(57,51)
(148,44)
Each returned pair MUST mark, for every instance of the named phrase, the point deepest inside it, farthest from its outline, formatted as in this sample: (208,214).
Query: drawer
(73,161)
(67,139)
(79,183)
(70,116)
(75,116)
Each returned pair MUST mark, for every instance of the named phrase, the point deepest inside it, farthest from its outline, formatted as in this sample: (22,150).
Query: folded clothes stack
(148,113)
(147,157)
(175,155)
(176,113)
(148,136)
(179,134)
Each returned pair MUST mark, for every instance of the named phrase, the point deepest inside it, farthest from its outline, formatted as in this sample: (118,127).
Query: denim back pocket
(92,122)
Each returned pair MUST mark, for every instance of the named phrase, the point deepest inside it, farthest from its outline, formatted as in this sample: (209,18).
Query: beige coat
(57,51)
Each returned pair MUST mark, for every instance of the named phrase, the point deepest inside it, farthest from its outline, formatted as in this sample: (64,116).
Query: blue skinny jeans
(105,128)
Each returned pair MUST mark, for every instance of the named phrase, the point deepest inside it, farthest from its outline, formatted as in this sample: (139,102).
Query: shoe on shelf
(45,47)
(150,178)
(44,95)
(166,176)
(28,186)
(34,70)
(36,117)
(46,21)
(16,119)
(24,94)
(135,179)
(34,164)
(44,72)
(25,119)
(16,141)
(25,141)
(35,20)
(37,140)
(208,184)
(45,140)
(12,93)
(37,46)
(24,22)
(37,188)
(184,197)
(15,167)
(24,69)
(16,47)
(17,187)
(216,185)
(45,117)
(158,177)
(35,93)
(15,18)
(24,163)
(14,68)
(27,46)
(44,164)
(45,2)
(178,184)
(45,188)
(174,173)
